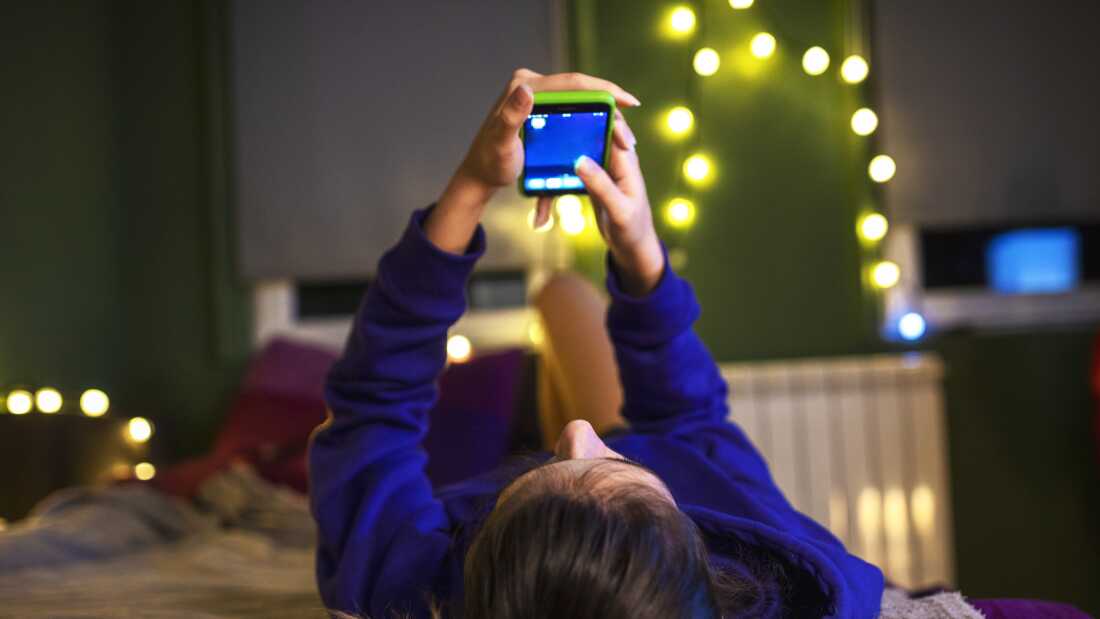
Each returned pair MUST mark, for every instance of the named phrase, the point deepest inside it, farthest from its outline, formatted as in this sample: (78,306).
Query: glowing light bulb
(20,402)
(568,205)
(570,215)
(882,168)
(912,326)
(679,120)
(885,274)
(762,45)
(854,69)
(139,430)
(48,400)
(873,227)
(546,226)
(741,4)
(680,213)
(94,403)
(706,62)
(864,121)
(535,333)
(573,224)
(459,348)
(145,471)
(697,168)
(815,61)
(682,20)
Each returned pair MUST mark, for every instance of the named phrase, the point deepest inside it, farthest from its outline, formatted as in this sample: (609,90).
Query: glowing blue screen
(1034,261)
(554,142)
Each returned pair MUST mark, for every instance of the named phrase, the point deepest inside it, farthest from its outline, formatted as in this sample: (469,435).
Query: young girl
(676,516)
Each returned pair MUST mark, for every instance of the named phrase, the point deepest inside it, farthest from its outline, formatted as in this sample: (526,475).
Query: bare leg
(578,378)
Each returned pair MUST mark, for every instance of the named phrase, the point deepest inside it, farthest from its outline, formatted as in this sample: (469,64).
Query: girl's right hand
(623,213)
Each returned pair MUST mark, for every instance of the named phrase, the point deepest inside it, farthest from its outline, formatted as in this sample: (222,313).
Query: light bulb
(48,400)
(697,168)
(912,326)
(20,402)
(94,403)
(145,471)
(741,4)
(567,205)
(680,213)
(815,61)
(545,226)
(873,227)
(762,45)
(535,333)
(864,121)
(682,20)
(139,430)
(854,69)
(459,348)
(881,168)
(679,120)
(706,62)
(885,274)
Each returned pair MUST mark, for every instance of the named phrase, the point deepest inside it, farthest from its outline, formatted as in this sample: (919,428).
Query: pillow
(281,401)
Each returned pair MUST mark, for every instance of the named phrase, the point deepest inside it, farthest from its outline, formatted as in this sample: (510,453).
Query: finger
(599,185)
(542,210)
(624,167)
(622,125)
(514,112)
(519,76)
(580,81)
(622,134)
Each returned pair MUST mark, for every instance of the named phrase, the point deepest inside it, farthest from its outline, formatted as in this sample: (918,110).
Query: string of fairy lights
(92,403)
(681,124)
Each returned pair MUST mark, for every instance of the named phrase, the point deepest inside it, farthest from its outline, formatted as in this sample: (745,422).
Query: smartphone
(563,126)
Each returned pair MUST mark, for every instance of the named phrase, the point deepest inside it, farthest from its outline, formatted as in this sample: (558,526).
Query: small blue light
(912,326)
(536,183)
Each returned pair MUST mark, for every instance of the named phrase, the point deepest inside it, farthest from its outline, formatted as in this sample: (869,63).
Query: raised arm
(370,497)
(670,382)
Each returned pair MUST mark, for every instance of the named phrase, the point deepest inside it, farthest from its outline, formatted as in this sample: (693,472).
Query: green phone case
(559,97)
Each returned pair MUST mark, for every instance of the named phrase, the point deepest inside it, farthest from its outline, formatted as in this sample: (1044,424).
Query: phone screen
(554,137)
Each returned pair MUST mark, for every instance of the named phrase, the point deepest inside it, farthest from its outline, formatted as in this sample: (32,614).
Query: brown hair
(569,546)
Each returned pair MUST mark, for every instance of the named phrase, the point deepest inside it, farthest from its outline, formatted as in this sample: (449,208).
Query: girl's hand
(623,213)
(495,158)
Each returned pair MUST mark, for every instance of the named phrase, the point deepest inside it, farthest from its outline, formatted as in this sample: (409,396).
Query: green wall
(114,217)
(776,263)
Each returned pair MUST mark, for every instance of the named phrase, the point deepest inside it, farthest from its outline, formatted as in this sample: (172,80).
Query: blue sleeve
(383,536)
(672,387)
(671,384)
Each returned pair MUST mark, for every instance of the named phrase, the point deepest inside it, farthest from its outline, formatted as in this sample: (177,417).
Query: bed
(229,534)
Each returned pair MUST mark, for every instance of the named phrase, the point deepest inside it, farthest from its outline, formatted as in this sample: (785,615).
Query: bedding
(244,548)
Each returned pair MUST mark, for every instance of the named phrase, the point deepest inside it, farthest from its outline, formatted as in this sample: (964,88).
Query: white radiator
(859,445)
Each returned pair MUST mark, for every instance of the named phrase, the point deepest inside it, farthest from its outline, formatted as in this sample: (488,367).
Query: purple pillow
(471,423)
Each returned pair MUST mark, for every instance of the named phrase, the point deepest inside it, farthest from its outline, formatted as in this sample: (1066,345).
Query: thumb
(599,185)
(513,112)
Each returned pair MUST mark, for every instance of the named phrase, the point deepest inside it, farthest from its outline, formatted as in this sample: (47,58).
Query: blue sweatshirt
(387,541)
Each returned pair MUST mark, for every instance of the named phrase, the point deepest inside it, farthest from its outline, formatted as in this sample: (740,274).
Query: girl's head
(590,534)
